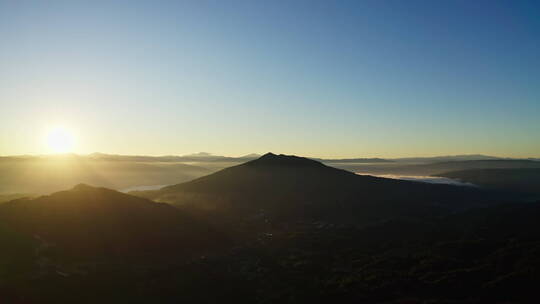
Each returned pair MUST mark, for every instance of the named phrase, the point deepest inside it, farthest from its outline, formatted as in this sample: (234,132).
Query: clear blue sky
(328,78)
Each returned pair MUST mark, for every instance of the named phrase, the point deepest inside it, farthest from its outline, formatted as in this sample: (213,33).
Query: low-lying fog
(424,179)
(143,188)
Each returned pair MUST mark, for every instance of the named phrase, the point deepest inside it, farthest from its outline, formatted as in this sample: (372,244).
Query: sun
(60,140)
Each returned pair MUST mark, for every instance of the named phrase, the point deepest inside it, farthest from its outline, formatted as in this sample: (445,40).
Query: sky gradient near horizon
(314,78)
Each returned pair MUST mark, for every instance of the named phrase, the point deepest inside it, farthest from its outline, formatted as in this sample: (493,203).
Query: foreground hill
(98,222)
(487,255)
(280,187)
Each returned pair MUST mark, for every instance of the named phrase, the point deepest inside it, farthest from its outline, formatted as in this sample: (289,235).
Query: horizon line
(261,154)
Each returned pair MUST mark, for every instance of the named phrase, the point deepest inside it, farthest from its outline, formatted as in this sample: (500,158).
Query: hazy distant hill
(46,174)
(9,197)
(284,187)
(88,222)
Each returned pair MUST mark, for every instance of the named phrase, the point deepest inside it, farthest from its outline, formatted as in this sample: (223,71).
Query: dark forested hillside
(487,255)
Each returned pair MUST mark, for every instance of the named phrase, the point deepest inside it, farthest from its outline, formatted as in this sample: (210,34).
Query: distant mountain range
(209,157)
(196,157)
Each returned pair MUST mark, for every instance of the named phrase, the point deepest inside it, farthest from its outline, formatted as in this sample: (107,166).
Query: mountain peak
(82,187)
(269,154)
(200,154)
(282,160)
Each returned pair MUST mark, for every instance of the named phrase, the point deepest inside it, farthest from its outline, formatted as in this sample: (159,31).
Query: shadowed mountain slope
(89,221)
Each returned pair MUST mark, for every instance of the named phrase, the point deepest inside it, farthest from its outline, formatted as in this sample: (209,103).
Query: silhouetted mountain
(199,154)
(98,222)
(283,186)
(273,160)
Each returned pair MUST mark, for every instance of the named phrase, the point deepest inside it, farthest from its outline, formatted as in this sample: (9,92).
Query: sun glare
(60,140)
